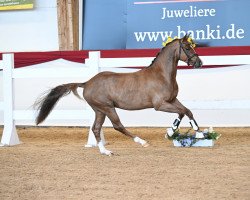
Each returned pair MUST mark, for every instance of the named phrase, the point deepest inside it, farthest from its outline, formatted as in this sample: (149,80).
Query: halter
(188,56)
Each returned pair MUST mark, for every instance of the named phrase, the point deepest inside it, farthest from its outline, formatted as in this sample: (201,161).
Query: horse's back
(106,82)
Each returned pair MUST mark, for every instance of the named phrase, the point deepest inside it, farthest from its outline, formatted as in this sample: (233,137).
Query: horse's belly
(136,103)
(134,106)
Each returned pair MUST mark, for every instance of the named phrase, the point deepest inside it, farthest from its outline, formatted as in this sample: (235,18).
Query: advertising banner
(209,22)
(16,4)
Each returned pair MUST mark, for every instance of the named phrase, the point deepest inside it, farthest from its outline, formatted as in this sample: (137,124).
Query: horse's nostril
(198,64)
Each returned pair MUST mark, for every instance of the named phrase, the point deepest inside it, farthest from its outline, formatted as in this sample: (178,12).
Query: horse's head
(187,52)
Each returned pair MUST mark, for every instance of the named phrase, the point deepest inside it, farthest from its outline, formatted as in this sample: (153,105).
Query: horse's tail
(47,102)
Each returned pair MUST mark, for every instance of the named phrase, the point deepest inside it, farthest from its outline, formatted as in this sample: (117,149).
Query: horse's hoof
(110,153)
(170,132)
(146,144)
(107,153)
(199,135)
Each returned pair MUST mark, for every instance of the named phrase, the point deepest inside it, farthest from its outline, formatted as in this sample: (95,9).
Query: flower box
(199,143)
(204,138)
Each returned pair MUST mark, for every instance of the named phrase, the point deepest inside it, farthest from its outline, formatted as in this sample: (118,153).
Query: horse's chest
(169,91)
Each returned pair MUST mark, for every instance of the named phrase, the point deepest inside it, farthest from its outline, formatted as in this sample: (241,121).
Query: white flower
(205,130)
(210,130)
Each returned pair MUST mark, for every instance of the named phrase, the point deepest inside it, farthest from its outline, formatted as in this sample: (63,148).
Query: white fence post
(9,136)
(94,62)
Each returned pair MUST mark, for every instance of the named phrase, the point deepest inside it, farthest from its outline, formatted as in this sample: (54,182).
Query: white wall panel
(30,30)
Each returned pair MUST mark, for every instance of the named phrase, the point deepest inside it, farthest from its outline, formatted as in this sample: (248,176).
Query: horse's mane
(161,52)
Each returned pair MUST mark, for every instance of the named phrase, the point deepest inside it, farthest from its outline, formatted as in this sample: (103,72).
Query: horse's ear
(184,38)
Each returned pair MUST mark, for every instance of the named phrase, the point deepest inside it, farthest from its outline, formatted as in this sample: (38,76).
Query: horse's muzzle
(198,63)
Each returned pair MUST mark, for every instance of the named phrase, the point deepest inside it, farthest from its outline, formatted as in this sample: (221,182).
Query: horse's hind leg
(114,118)
(96,128)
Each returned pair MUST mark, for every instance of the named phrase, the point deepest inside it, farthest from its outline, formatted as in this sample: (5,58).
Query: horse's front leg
(186,111)
(175,125)
(172,108)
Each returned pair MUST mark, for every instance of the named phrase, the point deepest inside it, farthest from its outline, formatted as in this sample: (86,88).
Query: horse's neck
(166,63)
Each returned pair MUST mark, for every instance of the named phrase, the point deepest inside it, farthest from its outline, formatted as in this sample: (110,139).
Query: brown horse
(152,87)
